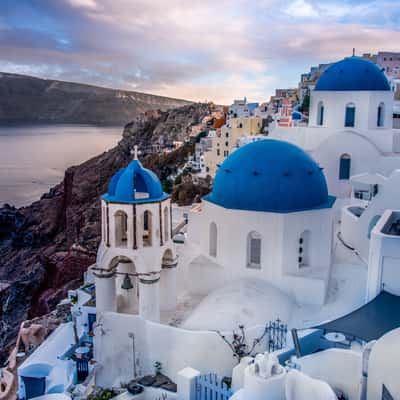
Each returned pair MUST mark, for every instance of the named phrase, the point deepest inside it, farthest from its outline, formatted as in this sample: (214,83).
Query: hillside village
(280,279)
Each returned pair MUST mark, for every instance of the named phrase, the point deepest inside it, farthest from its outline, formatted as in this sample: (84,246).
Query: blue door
(91,321)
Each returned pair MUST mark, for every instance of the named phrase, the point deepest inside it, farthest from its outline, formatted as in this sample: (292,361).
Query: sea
(34,158)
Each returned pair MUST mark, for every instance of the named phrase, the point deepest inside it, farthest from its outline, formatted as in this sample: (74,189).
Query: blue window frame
(320,117)
(350,117)
(380,117)
(344,167)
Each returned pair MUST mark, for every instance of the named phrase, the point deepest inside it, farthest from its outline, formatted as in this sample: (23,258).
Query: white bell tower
(136,263)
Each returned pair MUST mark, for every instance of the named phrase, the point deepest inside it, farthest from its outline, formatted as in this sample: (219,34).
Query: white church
(350,129)
(285,233)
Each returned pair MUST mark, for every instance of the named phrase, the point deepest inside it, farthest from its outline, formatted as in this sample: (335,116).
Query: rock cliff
(46,247)
(25,99)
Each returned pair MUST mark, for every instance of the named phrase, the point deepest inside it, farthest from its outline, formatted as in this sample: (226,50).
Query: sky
(193,49)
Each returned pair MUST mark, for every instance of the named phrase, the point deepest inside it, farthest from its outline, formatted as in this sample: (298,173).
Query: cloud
(214,50)
(300,8)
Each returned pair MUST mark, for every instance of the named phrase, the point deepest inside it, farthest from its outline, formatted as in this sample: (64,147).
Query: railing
(212,387)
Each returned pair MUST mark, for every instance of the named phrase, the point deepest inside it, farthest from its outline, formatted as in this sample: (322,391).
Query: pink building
(390,63)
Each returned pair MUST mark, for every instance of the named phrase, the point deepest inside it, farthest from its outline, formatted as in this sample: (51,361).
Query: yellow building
(226,140)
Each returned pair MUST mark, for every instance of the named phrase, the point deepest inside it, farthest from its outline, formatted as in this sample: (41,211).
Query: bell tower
(136,263)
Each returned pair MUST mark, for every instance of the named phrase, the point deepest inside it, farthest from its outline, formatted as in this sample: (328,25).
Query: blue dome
(131,180)
(353,74)
(270,175)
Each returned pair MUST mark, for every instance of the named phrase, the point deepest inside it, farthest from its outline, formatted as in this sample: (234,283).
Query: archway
(350,115)
(147,228)
(213,240)
(126,286)
(344,167)
(166,224)
(121,228)
(254,250)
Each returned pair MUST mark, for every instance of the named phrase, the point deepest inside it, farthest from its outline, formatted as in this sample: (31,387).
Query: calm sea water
(34,158)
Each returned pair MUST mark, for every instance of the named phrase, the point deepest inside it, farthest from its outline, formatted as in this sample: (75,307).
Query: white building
(135,268)
(269,218)
(350,126)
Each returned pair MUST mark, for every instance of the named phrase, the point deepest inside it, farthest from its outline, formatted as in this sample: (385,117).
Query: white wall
(383,366)
(341,369)
(355,230)
(280,235)
(175,348)
(384,260)
(366,108)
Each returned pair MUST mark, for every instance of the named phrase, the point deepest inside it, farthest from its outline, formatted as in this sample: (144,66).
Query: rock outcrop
(46,247)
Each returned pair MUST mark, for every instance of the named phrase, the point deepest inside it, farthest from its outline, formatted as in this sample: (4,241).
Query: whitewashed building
(350,127)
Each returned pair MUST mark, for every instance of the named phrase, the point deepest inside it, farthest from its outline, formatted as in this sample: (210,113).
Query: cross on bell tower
(135,152)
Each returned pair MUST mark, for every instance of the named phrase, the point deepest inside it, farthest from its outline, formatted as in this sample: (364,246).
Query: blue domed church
(268,217)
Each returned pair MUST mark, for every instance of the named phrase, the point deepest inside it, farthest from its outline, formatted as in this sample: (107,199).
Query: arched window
(147,229)
(304,249)
(213,240)
(121,229)
(320,114)
(344,167)
(254,250)
(350,115)
(166,224)
(380,122)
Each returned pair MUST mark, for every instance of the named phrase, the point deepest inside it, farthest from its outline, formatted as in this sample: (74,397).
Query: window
(227,134)
(213,240)
(147,229)
(350,116)
(226,144)
(254,250)
(218,152)
(320,114)
(121,229)
(381,115)
(166,224)
(304,249)
(344,167)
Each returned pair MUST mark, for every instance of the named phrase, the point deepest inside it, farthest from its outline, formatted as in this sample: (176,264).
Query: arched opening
(304,249)
(254,250)
(213,240)
(121,229)
(344,167)
(320,114)
(380,122)
(147,229)
(350,115)
(126,285)
(166,224)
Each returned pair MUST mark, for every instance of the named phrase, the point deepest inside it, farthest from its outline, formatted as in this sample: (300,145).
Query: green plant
(102,394)
(157,367)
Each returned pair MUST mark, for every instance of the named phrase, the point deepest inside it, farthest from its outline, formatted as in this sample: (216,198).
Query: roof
(270,175)
(353,74)
(371,321)
(128,182)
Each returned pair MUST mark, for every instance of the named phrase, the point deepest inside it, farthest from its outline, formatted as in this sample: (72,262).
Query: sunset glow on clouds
(215,50)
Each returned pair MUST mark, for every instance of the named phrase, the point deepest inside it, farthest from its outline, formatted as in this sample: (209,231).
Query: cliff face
(46,247)
(25,99)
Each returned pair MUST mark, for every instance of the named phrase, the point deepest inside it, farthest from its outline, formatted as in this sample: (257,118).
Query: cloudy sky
(194,49)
